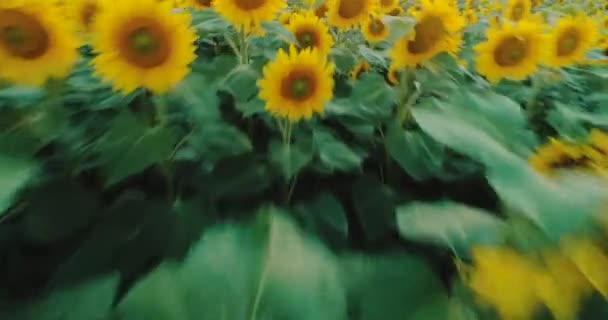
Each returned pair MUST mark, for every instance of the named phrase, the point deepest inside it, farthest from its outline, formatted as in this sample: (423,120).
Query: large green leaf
(267,269)
(325,216)
(415,152)
(218,140)
(559,206)
(91,299)
(130,146)
(392,287)
(374,205)
(449,224)
(241,82)
(239,177)
(57,210)
(333,153)
(15,173)
(291,158)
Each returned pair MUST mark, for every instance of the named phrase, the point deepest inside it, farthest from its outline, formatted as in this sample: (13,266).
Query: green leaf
(158,296)
(374,205)
(219,140)
(373,57)
(122,146)
(334,154)
(398,27)
(344,59)
(268,269)
(202,104)
(15,173)
(241,82)
(420,156)
(325,216)
(239,177)
(290,158)
(390,287)
(21,95)
(89,300)
(275,28)
(449,224)
(57,210)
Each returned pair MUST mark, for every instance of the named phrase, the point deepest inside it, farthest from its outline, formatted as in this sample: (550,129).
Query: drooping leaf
(15,173)
(129,147)
(449,224)
(290,158)
(391,287)
(241,82)
(333,153)
(219,140)
(375,207)
(88,300)
(239,177)
(325,216)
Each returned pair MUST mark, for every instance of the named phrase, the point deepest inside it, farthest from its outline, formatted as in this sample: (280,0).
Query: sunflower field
(303,160)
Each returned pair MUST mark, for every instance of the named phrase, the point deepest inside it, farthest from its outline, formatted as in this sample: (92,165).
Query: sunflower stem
(408,96)
(244,55)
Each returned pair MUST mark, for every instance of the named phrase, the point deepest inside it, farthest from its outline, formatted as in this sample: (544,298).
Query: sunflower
(512,51)
(516,10)
(347,14)
(248,14)
(604,22)
(572,38)
(396,12)
(438,29)
(82,13)
(559,155)
(297,84)
(386,6)
(142,44)
(310,31)
(374,30)
(393,75)
(321,10)
(199,4)
(470,17)
(35,44)
(359,69)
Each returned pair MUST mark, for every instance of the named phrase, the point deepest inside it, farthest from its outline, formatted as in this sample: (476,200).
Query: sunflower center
(386,3)
(144,44)
(428,33)
(321,10)
(349,9)
(22,35)
(88,13)
(306,38)
(376,26)
(517,12)
(248,5)
(205,3)
(510,52)
(299,85)
(567,43)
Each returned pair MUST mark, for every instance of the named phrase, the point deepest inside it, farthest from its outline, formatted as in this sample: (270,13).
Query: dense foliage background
(190,205)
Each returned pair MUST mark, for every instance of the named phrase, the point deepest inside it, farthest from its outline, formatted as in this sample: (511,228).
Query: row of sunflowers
(406,92)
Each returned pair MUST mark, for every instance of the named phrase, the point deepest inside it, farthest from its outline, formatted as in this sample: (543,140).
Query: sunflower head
(199,4)
(347,14)
(517,10)
(387,6)
(310,32)
(297,84)
(82,13)
(359,69)
(396,12)
(511,51)
(470,16)
(35,44)
(321,10)
(572,38)
(374,30)
(393,75)
(140,43)
(438,29)
(248,14)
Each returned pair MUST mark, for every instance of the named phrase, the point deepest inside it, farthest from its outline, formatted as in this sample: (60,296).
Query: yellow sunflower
(347,14)
(321,10)
(572,38)
(82,13)
(35,44)
(438,29)
(199,4)
(516,10)
(374,30)
(359,69)
(511,51)
(604,22)
(470,16)
(248,14)
(393,75)
(310,31)
(386,6)
(396,12)
(297,84)
(142,44)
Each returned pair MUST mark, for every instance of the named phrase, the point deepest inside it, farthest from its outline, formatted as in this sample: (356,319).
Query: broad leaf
(333,153)
(449,224)
(15,173)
